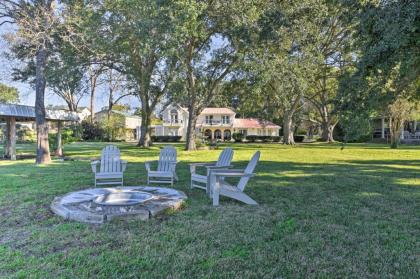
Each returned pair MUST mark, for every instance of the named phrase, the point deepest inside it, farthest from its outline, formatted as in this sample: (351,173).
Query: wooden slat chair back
(111,167)
(225,158)
(167,157)
(249,170)
(110,159)
(202,181)
(220,187)
(166,167)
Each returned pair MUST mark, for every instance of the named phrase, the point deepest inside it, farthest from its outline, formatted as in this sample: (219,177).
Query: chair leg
(216,192)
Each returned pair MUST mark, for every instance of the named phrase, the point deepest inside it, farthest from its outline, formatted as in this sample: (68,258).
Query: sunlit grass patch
(324,212)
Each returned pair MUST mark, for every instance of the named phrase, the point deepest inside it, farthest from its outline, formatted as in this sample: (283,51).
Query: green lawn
(324,212)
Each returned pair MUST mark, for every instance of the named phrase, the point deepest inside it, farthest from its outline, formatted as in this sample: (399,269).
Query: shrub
(68,135)
(275,138)
(238,137)
(299,138)
(92,131)
(253,138)
(166,138)
(24,134)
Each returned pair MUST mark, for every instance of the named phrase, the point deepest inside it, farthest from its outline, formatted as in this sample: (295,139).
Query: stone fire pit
(99,205)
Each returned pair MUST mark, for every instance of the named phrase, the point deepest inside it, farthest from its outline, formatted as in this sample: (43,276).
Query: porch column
(382,127)
(59,148)
(7,139)
(212,135)
(223,135)
(415,126)
(11,138)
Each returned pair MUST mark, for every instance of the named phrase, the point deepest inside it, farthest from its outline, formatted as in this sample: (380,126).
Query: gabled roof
(125,114)
(217,111)
(177,106)
(28,113)
(247,123)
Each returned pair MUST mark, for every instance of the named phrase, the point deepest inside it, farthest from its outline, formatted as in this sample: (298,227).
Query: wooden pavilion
(11,113)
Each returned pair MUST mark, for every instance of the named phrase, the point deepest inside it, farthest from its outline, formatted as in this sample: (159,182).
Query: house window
(209,119)
(174,116)
(225,119)
(243,132)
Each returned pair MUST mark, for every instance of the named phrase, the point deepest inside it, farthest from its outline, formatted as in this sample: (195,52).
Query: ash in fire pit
(99,205)
(123,197)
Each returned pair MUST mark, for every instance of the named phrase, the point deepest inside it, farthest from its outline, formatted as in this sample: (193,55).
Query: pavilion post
(6,139)
(11,138)
(59,147)
(383,127)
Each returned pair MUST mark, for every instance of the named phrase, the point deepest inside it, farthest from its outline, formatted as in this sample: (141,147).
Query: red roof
(217,111)
(254,123)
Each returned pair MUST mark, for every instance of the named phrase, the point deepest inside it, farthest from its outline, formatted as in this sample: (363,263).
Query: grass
(324,212)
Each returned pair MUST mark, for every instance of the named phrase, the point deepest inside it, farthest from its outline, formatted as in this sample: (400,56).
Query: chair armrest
(215,168)
(193,166)
(123,165)
(94,164)
(227,174)
(147,164)
(230,173)
(202,164)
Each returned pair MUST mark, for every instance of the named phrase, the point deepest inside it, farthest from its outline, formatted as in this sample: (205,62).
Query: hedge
(253,138)
(166,138)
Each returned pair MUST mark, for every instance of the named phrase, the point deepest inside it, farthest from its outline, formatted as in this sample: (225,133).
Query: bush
(25,135)
(92,131)
(166,138)
(68,136)
(238,137)
(275,138)
(253,138)
(299,138)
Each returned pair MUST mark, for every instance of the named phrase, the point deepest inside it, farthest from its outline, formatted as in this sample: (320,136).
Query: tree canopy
(8,94)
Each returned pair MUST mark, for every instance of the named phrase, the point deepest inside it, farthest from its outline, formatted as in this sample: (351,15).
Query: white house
(216,123)
(130,122)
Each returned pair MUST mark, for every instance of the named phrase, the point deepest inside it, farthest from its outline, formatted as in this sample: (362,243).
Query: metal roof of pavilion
(21,112)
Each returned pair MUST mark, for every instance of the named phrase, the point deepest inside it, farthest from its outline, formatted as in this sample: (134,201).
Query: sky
(27,93)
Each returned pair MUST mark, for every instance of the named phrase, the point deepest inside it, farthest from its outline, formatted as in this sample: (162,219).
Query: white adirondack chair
(111,167)
(220,187)
(165,172)
(202,181)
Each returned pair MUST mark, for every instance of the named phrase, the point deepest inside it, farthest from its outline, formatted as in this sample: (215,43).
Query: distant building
(83,112)
(130,122)
(215,123)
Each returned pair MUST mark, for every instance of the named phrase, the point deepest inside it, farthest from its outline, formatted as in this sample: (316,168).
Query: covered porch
(409,134)
(11,113)
(219,133)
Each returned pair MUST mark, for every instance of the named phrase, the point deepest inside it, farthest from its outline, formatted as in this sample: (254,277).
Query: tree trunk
(395,126)
(145,138)
(192,120)
(43,149)
(92,98)
(288,128)
(327,131)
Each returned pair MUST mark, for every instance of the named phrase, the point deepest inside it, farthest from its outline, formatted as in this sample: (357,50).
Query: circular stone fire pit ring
(100,205)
